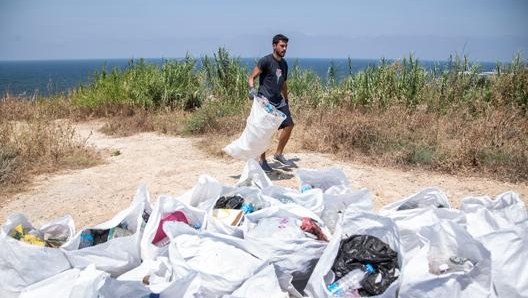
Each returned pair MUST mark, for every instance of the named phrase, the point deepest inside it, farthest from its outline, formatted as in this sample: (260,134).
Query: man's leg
(284,136)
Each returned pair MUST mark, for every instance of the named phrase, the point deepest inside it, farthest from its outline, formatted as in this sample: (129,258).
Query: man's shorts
(288,121)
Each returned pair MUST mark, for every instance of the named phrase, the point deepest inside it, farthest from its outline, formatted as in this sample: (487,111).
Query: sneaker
(265,166)
(281,159)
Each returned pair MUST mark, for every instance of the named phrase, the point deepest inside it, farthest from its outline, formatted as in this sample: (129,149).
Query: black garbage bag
(359,250)
(229,202)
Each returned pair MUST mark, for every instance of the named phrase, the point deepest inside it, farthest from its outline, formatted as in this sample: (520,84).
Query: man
(272,71)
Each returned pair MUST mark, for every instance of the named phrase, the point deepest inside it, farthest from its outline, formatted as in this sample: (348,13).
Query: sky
(482,30)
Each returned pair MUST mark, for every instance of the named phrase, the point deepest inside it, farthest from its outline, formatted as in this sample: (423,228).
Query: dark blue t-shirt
(273,75)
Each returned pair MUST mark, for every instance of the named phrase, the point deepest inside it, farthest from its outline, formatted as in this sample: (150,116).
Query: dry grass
(493,144)
(33,142)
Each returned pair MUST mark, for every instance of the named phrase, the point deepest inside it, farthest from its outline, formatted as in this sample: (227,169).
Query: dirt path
(171,165)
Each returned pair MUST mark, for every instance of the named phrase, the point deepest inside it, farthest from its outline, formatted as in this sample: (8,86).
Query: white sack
(285,245)
(440,242)
(251,195)
(257,135)
(507,205)
(73,283)
(336,202)
(311,199)
(263,284)
(116,255)
(428,198)
(23,264)
(223,262)
(409,223)
(204,193)
(253,175)
(323,179)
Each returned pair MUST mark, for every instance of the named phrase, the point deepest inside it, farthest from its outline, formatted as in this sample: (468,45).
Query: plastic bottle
(330,217)
(347,285)
(305,187)
(86,238)
(268,108)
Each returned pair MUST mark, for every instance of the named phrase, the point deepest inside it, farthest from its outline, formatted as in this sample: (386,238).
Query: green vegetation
(453,120)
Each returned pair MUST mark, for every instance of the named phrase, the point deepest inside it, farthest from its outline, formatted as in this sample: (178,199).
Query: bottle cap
(247,208)
(334,288)
(369,269)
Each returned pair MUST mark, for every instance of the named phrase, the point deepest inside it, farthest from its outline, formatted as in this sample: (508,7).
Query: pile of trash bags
(256,239)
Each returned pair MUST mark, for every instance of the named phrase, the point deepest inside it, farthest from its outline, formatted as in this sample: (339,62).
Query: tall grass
(174,85)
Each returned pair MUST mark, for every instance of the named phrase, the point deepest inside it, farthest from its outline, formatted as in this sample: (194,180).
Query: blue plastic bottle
(87,239)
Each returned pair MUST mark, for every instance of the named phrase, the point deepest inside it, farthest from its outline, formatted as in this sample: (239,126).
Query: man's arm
(255,73)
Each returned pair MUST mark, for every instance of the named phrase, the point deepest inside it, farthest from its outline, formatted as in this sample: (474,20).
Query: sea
(33,78)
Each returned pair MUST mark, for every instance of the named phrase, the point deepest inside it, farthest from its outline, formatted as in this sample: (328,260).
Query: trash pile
(256,239)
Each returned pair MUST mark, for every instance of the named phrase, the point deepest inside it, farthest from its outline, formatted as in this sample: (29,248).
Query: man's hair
(278,38)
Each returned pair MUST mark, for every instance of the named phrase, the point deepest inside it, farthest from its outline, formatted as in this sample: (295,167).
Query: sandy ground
(171,166)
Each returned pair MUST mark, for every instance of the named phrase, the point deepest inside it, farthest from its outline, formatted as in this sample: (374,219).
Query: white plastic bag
(507,205)
(253,175)
(263,284)
(257,135)
(223,262)
(72,283)
(311,199)
(410,221)
(116,255)
(277,233)
(23,264)
(433,271)
(509,252)
(427,198)
(220,221)
(323,179)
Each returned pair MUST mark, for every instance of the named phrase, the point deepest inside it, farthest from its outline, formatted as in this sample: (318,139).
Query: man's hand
(253,93)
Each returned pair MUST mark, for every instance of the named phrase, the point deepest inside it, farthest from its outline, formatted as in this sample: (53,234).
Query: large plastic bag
(226,220)
(153,278)
(336,202)
(223,262)
(23,264)
(253,175)
(72,283)
(509,252)
(451,263)
(323,179)
(263,284)
(311,199)
(114,255)
(410,221)
(428,198)
(204,193)
(156,274)
(357,223)
(164,207)
(277,232)
(257,135)
(507,205)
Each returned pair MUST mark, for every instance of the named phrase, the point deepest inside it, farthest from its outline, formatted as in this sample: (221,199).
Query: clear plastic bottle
(330,217)
(347,285)
(305,187)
